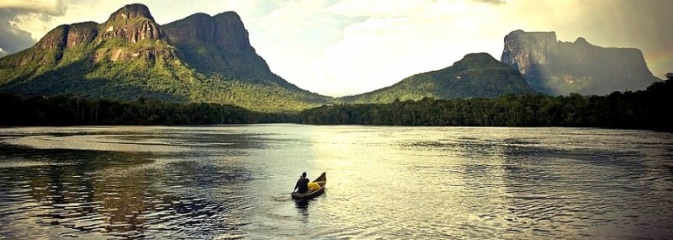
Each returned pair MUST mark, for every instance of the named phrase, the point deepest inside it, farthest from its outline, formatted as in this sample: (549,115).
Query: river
(230,182)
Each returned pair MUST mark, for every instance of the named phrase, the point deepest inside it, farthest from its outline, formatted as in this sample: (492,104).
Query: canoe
(321,181)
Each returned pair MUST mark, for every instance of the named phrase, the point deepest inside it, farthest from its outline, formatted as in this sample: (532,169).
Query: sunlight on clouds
(52,7)
(384,42)
(394,43)
(377,8)
(293,36)
(36,23)
(172,10)
(291,19)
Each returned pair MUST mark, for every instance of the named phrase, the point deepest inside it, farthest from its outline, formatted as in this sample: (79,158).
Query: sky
(347,47)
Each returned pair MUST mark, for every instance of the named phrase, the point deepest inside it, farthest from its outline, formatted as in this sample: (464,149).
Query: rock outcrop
(133,23)
(560,68)
(218,45)
(107,41)
(81,34)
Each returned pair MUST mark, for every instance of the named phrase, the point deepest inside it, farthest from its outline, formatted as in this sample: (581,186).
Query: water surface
(227,182)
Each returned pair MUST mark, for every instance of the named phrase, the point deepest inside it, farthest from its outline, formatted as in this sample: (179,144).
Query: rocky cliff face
(80,34)
(219,45)
(560,68)
(132,23)
(107,41)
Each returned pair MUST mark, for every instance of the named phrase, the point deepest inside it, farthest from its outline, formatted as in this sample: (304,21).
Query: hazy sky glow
(345,47)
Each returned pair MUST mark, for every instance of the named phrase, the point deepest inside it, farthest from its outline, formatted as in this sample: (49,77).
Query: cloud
(50,7)
(14,13)
(294,35)
(348,47)
(12,39)
(492,1)
(396,39)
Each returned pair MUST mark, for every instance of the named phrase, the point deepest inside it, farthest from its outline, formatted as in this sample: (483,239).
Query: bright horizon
(347,47)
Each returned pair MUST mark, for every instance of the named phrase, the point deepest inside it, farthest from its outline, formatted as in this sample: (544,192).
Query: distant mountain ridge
(560,68)
(477,75)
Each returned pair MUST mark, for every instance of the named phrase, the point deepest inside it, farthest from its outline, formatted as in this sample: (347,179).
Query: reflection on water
(385,182)
(62,188)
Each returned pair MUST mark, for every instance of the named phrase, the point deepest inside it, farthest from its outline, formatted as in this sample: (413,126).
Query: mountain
(219,45)
(476,75)
(196,59)
(560,68)
(204,58)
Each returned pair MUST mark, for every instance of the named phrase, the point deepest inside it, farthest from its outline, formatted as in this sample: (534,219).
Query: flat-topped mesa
(560,68)
(133,22)
(525,48)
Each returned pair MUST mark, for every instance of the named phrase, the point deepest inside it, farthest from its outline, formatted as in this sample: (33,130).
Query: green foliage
(475,76)
(155,73)
(647,109)
(69,110)
(630,110)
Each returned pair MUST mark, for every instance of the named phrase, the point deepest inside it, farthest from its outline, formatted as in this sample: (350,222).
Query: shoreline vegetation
(648,109)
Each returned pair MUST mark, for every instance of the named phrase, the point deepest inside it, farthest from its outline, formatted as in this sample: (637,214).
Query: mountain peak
(223,36)
(134,23)
(131,11)
(480,59)
(475,75)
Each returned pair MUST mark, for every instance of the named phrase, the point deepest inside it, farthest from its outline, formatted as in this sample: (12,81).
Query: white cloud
(379,8)
(399,40)
(51,7)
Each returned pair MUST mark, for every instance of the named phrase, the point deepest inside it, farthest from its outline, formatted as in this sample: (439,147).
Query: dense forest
(69,110)
(647,109)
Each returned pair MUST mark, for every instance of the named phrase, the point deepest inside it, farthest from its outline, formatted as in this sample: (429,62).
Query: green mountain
(204,58)
(476,75)
(196,59)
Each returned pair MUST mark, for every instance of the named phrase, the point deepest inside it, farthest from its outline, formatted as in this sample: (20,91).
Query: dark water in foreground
(225,182)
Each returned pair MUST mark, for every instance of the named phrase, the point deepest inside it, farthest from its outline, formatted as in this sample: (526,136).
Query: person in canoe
(302,184)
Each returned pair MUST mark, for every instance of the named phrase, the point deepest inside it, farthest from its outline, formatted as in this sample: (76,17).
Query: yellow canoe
(321,181)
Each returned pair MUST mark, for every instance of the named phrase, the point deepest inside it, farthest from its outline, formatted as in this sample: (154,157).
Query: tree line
(69,110)
(646,109)
(649,109)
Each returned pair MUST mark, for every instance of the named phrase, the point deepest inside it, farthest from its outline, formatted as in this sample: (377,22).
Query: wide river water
(227,182)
